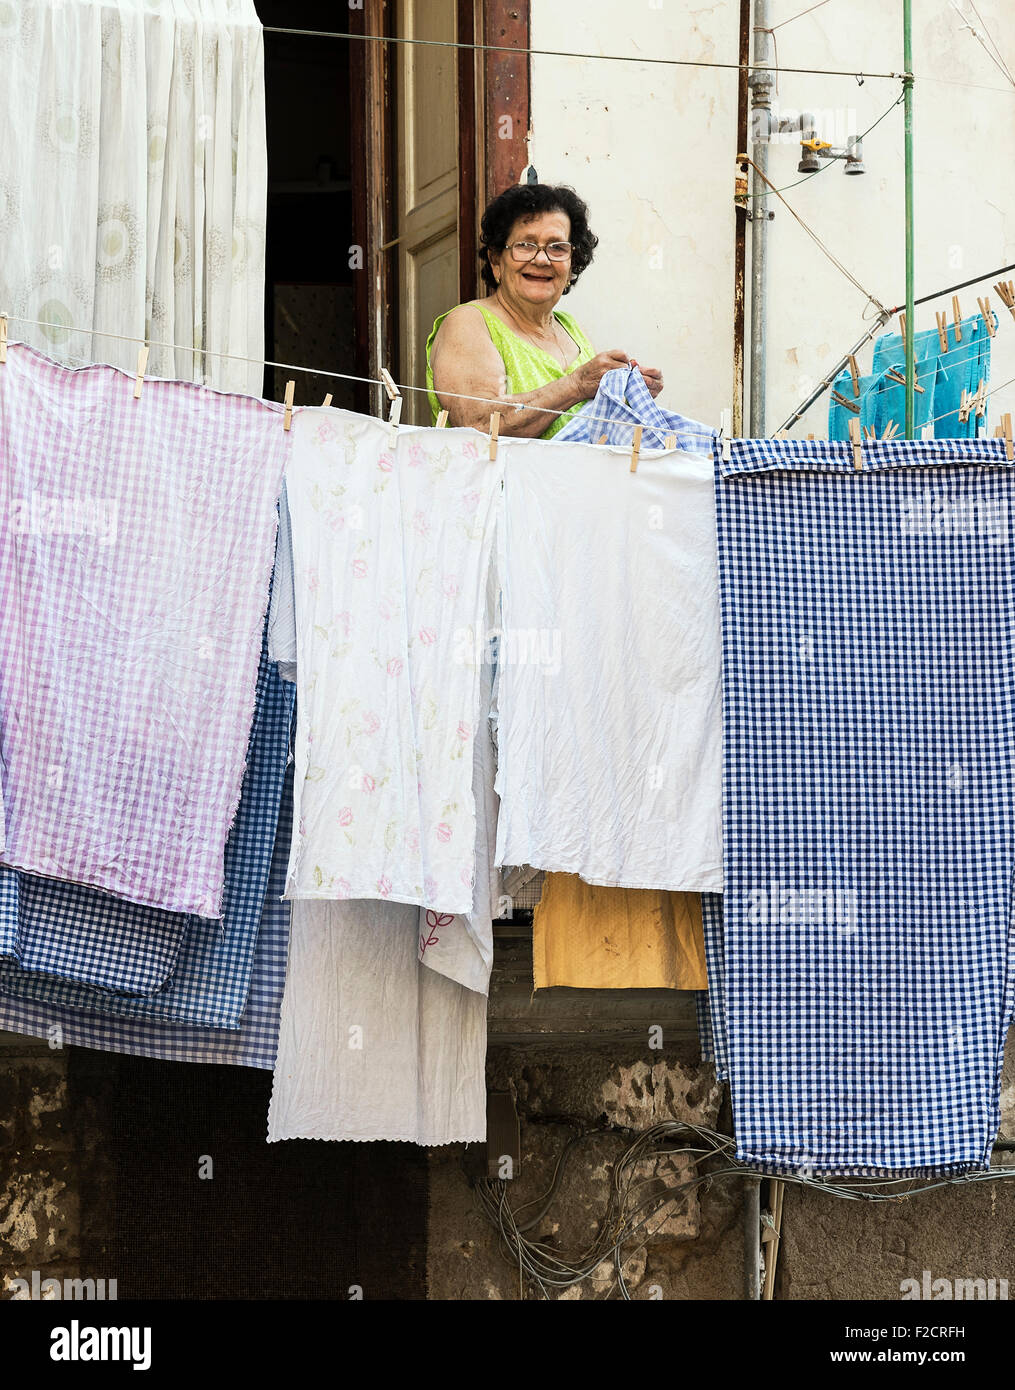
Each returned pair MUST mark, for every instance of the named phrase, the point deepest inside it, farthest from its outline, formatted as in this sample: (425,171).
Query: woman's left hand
(653,378)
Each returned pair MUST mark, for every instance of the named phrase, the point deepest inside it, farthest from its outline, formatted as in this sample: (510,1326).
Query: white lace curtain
(133,182)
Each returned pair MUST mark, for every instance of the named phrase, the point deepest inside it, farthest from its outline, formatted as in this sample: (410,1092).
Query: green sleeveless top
(526,366)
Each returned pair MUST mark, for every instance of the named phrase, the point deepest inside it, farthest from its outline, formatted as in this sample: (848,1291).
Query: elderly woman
(515,347)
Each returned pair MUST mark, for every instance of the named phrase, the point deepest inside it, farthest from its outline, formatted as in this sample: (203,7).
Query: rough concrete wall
(39,1195)
(831,1248)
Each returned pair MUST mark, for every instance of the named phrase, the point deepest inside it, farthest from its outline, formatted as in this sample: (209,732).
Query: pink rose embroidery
(342,888)
(386,608)
(469,450)
(430,888)
(394,667)
(415,456)
(371,722)
(464,730)
(427,636)
(313,580)
(420,524)
(345,816)
(385,463)
(384,886)
(412,840)
(368,782)
(359,568)
(450,585)
(444,832)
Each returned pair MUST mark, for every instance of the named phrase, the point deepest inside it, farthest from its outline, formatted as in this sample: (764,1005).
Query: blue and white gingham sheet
(869,832)
(211,977)
(622,401)
(253,1044)
(76,933)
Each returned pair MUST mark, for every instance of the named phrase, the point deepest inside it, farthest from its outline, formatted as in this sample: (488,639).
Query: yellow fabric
(616,938)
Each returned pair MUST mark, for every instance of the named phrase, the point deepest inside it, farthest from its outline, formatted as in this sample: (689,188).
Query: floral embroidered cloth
(391,548)
(135,560)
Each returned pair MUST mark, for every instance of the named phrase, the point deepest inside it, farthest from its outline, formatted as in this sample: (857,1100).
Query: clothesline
(401,386)
(520,49)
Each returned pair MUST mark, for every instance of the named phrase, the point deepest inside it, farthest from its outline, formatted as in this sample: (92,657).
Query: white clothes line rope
(500,405)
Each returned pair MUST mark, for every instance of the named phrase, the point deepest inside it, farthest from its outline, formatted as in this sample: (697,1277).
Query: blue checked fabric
(253,1044)
(78,933)
(710,1004)
(869,834)
(622,401)
(79,929)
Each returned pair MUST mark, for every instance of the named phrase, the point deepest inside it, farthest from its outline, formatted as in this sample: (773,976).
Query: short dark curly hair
(527,200)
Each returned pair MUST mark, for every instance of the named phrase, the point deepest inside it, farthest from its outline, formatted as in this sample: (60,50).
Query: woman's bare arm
(465,362)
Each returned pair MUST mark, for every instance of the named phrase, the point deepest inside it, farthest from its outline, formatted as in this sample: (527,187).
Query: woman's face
(539,282)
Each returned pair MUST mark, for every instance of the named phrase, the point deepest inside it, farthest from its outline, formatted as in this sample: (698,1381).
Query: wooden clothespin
(987,314)
(810,436)
(1009,444)
(854,373)
(893,375)
(965,401)
(142,367)
(3,337)
(287,418)
(395,397)
(980,399)
(327,399)
(957,317)
(857,441)
(494,434)
(1006,293)
(902,328)
(601,439)
(891,430)
(845,401)
(942,329)
(868,432)
(635,448)
(442,419)
(725,426)
(671,442)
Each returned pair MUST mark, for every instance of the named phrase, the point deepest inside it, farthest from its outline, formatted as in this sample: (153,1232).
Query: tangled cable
(633,1201)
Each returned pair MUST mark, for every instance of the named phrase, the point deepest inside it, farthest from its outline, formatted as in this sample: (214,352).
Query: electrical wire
(630,1208)
(996,57)
(783,22)
(871,298)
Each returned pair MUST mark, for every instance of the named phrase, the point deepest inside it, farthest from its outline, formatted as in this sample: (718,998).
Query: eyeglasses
(529,250)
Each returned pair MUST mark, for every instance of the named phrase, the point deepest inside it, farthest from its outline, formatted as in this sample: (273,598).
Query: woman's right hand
(587,377)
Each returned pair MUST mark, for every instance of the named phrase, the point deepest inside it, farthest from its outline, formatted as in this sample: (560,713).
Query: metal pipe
(752,1238)
(761,115)
(907,89)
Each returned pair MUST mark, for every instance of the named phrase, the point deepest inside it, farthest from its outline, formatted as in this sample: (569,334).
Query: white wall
(652,149)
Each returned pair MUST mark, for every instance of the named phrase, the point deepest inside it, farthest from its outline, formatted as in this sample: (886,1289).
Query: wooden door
(427,186)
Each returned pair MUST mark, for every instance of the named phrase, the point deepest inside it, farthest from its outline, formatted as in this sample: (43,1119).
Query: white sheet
(608,701)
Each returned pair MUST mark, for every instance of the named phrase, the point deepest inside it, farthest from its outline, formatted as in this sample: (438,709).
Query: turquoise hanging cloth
(882,399)
(961,368)
(942,375)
